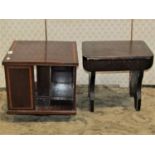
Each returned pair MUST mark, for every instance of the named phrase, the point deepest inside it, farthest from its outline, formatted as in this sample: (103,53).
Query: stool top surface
(115,49)
(42,52)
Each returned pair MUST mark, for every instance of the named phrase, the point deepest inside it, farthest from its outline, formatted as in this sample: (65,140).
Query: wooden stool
(132,56)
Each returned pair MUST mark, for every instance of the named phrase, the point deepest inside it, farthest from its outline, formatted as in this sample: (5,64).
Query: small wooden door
(19,81)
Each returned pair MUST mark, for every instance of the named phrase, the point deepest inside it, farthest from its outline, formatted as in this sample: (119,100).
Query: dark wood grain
(116,55)
(41,52)
(20,90)
(54,93)
(132,56)
(115,49)
(62,53)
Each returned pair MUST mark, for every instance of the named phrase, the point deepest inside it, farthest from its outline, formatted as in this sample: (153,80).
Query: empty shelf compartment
(62,91)
(62,83)
(62,74)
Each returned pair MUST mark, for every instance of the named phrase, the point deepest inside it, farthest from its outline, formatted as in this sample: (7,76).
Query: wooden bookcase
(41,77)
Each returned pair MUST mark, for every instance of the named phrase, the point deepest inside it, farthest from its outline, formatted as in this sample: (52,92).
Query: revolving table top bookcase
(41,77)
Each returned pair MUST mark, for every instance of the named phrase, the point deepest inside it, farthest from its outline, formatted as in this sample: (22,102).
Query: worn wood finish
(132,56)
(55,90)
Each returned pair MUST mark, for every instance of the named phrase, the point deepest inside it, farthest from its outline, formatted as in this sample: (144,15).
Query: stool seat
(116,55)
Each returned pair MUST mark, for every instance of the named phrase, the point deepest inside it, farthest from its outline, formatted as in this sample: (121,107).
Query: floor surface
(114,114)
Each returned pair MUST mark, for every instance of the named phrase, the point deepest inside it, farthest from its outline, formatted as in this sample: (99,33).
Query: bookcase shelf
(60,89)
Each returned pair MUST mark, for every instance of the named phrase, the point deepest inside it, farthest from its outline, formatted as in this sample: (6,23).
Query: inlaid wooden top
(115,50)
(41,52)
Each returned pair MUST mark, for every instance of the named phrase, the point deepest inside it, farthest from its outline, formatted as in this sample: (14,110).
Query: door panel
(20,86)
